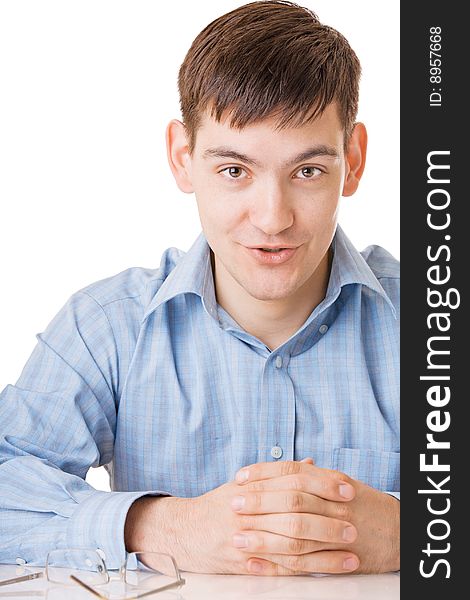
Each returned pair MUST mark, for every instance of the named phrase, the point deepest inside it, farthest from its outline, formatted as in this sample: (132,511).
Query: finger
(302,526)
(263,471)
(327,561)
(266,542)
(329,488)
(308,460)
(260,566)
(285,501)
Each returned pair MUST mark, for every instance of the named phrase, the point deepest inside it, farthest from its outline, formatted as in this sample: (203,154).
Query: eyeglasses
(145,573)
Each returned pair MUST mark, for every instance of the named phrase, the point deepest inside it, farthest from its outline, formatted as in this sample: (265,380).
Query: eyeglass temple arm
(88,587)
(169,586)
(22,578)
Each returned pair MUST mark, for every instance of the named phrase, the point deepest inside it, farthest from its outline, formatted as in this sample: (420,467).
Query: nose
(271,211)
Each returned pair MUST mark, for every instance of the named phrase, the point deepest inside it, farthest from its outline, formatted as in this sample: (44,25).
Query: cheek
(318,211)
(219,220)
(222,211)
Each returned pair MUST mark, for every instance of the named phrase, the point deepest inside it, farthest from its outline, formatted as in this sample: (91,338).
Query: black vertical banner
(435,252)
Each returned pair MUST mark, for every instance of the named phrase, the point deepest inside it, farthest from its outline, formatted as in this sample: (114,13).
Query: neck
(274,321)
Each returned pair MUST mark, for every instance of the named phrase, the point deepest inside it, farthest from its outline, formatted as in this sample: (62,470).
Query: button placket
(281,410)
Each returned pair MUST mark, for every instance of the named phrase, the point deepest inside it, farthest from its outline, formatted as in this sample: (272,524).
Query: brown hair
(268,58)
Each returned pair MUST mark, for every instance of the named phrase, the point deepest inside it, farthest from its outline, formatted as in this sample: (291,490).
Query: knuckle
(325,485)
(335,474)
(246,522)
(294,563)
(342,511)
(295,546)
(255,501)
(289,467)
(295,527)
(296,483)
(330,533)
(294,502)
(257,486)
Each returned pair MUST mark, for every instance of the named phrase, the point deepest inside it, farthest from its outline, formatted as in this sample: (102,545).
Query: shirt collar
(350,267)
(193,274)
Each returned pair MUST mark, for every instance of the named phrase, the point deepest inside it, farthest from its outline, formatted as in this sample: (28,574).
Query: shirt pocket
(379,469)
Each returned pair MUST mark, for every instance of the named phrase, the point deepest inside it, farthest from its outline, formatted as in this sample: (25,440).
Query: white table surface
(230,587)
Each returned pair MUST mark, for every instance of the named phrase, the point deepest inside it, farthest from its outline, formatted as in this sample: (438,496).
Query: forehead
(265,136)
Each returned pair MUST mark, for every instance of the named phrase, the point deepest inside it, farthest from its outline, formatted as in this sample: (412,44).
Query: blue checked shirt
(144,373)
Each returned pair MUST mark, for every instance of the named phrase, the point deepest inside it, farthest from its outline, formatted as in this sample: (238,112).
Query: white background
(87,88)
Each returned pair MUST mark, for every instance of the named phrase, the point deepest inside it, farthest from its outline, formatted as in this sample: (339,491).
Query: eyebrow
(312,152)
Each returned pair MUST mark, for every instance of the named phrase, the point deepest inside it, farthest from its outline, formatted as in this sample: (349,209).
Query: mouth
(272,255)
(270,249)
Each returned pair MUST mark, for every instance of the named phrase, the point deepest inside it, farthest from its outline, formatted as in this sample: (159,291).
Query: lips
(271,256)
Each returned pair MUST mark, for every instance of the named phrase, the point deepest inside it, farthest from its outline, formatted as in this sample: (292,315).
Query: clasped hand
(300,518)
(276,518)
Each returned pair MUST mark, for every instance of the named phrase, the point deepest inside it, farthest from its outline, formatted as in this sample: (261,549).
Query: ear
(179,158)
(355,159)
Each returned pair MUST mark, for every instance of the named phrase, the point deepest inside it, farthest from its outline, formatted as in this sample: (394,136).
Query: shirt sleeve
(55,423)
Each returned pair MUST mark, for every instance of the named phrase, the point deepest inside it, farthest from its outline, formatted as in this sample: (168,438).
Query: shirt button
(323,329)
(276,451)
(278,361)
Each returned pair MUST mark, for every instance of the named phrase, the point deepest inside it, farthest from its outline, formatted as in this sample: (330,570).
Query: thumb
(308,460)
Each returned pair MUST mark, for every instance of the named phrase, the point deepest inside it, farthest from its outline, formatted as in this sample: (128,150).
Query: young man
(272,344)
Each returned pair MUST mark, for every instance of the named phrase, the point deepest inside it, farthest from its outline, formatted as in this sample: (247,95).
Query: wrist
(135,525)
(150,524)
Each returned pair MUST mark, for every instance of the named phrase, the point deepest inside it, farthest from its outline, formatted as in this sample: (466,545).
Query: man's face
(257,188)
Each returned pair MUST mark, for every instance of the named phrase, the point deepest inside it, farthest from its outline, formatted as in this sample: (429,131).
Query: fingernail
(242,475)
(238,502)
(255,567)
(349,534)
(351,563)
(346,491)
(240,541)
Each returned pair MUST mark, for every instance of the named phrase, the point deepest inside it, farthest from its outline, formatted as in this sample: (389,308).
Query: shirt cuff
(98,522)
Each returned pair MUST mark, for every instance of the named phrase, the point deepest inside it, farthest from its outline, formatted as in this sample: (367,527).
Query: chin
(264,293)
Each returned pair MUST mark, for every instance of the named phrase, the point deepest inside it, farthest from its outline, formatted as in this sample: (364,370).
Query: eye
(233,172)
(308,172)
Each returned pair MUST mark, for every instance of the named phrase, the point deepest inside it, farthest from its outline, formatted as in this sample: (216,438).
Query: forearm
(42,508)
